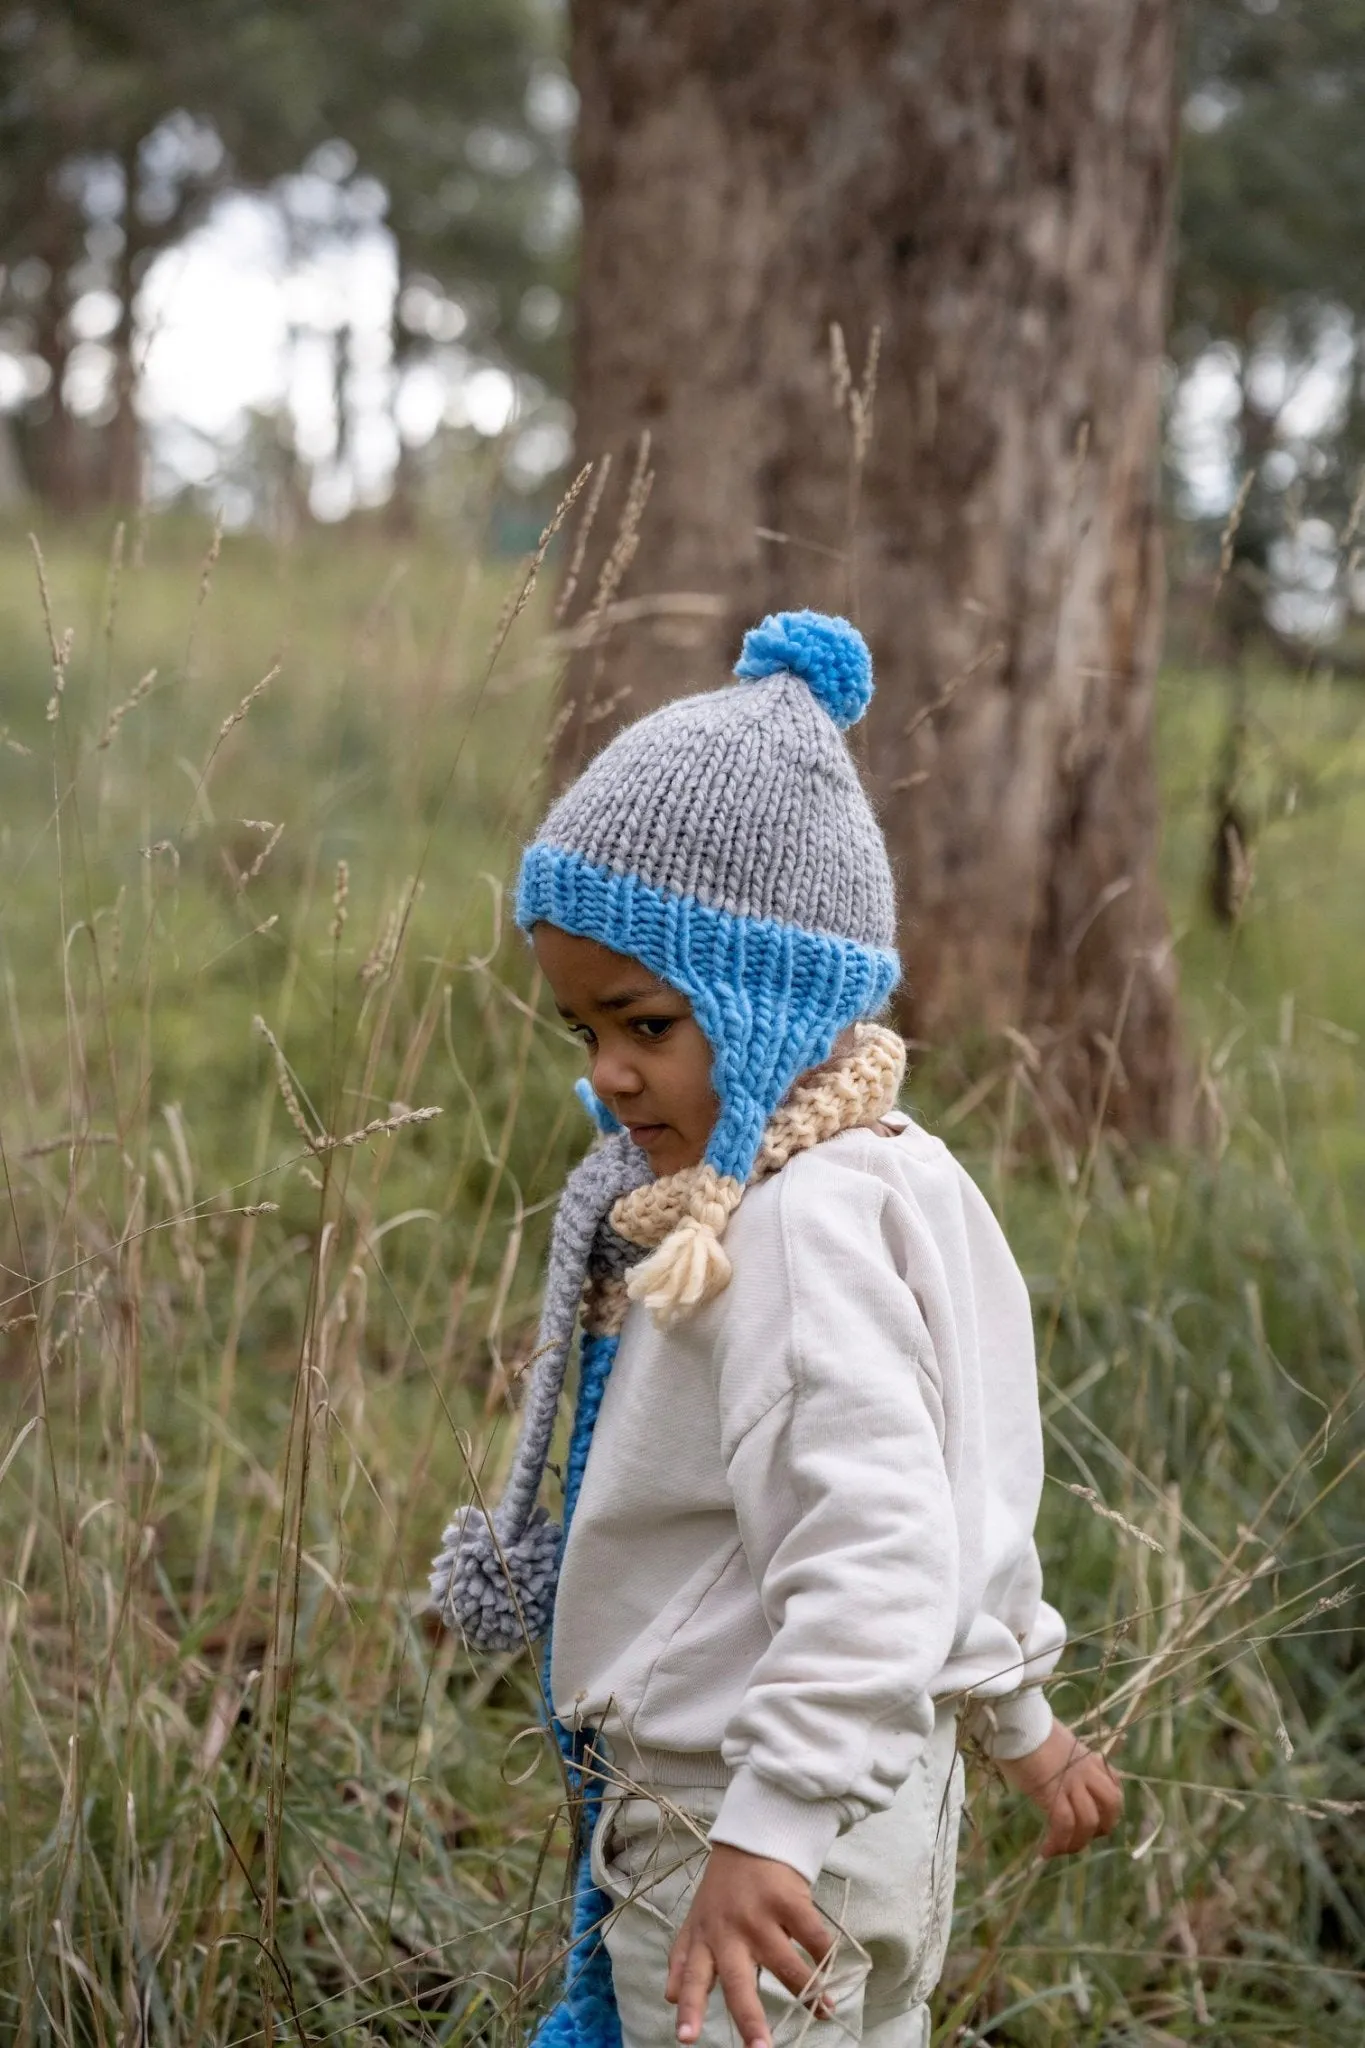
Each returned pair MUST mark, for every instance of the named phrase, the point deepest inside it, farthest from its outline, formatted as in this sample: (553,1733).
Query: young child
(806,1459)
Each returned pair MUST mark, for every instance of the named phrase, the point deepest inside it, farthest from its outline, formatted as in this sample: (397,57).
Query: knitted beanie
(726,842)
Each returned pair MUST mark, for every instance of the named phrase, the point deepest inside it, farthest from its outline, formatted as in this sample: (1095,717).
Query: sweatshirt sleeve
(847,1521)
(1015,1723)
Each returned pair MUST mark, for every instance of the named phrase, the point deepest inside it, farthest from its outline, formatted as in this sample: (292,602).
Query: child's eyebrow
(632,995)
(619,1002)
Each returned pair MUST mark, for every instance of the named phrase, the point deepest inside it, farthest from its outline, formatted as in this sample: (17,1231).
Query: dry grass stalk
(378,964)
(210,562)
(1108,1514)
(340,892)
(862,400)
(798,540)
(59,645)
(276,833)
(521,596)
(234,718)
(142,688)
(285,1079)
(856,402)
(623,549)
(582,534)
(113,585)
(378,1127)
(68,1141)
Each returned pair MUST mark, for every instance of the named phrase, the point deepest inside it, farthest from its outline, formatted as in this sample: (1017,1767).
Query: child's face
(648,1058)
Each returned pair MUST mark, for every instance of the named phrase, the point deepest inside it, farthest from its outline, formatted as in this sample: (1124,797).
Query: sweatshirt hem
(672,1767)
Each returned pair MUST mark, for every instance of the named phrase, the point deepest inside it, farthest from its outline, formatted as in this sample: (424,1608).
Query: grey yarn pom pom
(498,1593)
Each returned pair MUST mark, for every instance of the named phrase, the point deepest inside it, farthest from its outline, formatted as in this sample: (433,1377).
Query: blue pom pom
(828,654)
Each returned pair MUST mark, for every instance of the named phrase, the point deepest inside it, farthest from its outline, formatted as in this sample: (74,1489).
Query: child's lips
(645,1134)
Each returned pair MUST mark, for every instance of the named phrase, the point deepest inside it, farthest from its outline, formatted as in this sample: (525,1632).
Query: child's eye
(580,1032)
(654,1027)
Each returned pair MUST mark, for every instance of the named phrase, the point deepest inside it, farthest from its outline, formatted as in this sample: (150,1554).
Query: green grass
(249,1793)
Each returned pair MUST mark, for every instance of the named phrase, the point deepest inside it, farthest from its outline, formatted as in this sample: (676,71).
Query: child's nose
(613,1073)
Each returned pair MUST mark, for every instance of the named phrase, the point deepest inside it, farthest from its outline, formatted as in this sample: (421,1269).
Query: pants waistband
(629,1764)
(644,1767)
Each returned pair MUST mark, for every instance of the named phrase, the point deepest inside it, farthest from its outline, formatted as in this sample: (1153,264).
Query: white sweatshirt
(808,1511)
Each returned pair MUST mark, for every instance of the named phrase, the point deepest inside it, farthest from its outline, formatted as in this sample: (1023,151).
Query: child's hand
(1075,1789)
(748,1913)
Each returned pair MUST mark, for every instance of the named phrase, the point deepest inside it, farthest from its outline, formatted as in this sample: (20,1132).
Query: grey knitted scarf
(494,1578)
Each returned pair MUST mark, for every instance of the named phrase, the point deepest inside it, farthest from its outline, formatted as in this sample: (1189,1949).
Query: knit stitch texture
(828,654)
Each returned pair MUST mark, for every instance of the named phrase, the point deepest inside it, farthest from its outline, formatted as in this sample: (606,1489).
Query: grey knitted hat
(726,842)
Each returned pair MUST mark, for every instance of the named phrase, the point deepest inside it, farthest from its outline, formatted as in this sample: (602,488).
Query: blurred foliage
(463,113)
(1273,160)
(1270,272)
(121,124)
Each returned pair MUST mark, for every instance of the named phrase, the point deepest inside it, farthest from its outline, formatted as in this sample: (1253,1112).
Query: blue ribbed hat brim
(771,998)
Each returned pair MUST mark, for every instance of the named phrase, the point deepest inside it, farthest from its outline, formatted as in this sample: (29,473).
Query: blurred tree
(1270,274)
(463,114)
(988,188)
(121,123)
(1270,263)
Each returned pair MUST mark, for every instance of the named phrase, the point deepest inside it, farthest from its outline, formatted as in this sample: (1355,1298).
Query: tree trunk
(57,468)
(985,184)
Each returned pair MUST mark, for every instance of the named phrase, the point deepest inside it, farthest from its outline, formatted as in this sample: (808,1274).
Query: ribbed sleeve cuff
(1014,1726)
(759,1816)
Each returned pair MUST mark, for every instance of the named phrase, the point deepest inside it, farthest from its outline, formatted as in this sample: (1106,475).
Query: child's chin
(670,1154)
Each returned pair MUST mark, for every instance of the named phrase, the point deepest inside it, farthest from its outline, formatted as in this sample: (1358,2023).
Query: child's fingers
(695,1975)
(1067,1829)
(1108,1797)
(677,1960)
(739,1983)
(1058,1828)
(1086,1817)
(806,1924)
(798,1973)
(1074,1821)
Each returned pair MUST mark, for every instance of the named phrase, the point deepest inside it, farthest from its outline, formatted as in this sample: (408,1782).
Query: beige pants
(886,1890)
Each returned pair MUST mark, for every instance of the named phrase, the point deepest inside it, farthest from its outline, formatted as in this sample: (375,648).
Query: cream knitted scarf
(684,1214)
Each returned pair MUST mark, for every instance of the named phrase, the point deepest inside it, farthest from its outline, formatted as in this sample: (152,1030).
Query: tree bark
(58,471)
(985,184)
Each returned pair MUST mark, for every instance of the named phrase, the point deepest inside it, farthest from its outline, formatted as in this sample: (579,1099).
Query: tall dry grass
(262,1308)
